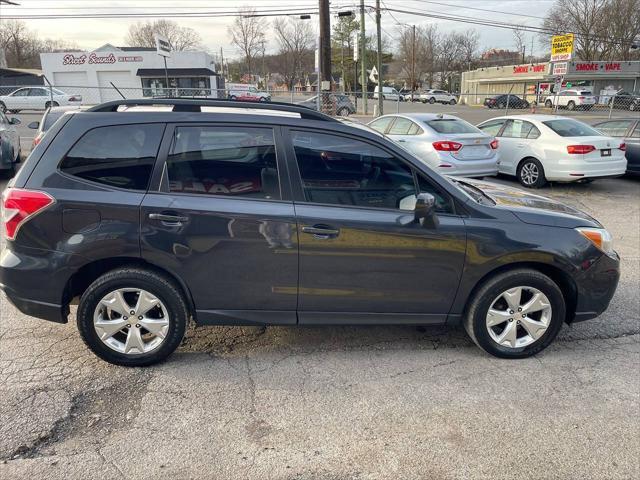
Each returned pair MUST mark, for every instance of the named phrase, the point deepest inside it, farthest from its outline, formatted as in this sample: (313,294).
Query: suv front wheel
(515,314)
(132,317)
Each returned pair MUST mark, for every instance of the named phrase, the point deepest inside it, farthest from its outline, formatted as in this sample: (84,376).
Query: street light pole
(325,44)
(379,34)
(363,61)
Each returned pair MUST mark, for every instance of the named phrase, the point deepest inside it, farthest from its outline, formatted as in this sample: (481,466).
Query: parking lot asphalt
(337,402)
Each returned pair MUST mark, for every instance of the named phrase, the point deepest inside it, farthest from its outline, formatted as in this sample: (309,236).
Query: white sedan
(541,148)
(36,98)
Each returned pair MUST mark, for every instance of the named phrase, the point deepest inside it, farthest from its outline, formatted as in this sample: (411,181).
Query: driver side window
(344,171)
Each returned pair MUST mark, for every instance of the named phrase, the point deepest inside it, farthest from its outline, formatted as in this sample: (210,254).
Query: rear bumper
(34,281)
(571,171)
(596,286)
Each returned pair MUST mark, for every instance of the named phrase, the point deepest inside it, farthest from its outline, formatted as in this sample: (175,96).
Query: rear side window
(381,124)
(119,156)
(400,127)
(451,125)
(493,127)
(229,161)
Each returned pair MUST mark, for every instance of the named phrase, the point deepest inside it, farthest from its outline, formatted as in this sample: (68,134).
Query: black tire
(432,100)
(633,107)
(8,172)
(539,182)
(501,106)
(548,104)
(343,112)
(3,107)
(571,105)
(423,101)
(164,289)
(452,101)
(475,315)
(232,97)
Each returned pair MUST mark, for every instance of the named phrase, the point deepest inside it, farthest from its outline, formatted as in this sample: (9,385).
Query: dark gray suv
(152,212)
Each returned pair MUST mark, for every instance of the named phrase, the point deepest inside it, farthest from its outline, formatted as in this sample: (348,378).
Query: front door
(516,141)
(221,221)
(362,259)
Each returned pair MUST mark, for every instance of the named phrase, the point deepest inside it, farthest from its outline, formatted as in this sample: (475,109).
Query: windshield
(451,125)
(567,127)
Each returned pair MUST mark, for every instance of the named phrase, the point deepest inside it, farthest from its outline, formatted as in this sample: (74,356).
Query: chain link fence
(342,104)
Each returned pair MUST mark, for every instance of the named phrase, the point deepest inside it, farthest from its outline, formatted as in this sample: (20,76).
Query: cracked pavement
(336,402)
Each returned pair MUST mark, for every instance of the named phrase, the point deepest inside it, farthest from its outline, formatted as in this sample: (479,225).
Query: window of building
(120,156)
(229,161)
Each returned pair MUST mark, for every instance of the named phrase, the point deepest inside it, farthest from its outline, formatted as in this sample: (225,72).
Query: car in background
(388,93)
(409,96)
(9,145)
(48,119)
(502,101)
(626,100)
(438,96)
(340,104)
(248,94)
(572,99)
(447,144)
(36,98)
(541,148)
(628,131)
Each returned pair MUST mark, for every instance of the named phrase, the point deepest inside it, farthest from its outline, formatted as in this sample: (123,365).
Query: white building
(135,71)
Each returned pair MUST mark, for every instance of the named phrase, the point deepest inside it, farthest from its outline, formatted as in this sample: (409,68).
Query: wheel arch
(560,277)
(88,273)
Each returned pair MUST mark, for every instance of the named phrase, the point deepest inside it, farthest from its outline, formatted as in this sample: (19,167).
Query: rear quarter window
(119,156)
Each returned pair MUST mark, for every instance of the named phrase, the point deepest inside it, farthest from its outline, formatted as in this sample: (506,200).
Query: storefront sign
(524,69)
(560,68)
(561,47)
(604,68)
(163,47)
(96,59)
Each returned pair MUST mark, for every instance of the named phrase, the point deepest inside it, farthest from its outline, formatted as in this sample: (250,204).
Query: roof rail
(193,105)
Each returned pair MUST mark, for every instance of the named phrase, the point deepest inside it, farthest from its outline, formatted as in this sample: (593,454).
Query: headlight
(600,237)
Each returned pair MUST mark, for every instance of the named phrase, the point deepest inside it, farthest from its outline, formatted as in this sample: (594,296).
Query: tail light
(623,147)
(494,144)
(20,205)
(581,98)
(447,146)
(37,139)
(75,98)
(583,149)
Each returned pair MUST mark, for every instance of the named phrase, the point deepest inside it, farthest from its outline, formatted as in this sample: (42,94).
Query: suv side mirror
(34,125)
(14,121)
(425,210)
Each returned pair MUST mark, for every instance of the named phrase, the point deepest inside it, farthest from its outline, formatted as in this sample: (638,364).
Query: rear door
(37,98)
(362,259)
(222,220)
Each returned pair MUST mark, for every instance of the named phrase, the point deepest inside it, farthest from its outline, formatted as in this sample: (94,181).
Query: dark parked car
(9,145)
(501,101)
(626,100)
(149,217)
(340,104)
(50,116)
(627,129)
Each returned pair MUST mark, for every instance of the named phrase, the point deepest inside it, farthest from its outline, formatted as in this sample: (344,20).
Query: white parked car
(36,98)
(446,143)
(572,99)
(541,148)
(438,96)
(388,93)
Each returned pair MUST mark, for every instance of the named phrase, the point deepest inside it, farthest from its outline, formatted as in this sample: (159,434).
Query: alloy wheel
(131,321)
(518,317)
(529,173)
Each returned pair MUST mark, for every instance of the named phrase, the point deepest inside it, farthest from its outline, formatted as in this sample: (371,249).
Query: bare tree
(22,47)
(423,48)
(248,34)
(519,39)
(469,43)
(604,29)
(142,34)
(295,40)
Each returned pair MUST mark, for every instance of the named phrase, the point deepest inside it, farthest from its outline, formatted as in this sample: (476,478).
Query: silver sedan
(446,143)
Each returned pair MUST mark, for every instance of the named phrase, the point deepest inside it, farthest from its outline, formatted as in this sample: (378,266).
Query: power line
(464,7)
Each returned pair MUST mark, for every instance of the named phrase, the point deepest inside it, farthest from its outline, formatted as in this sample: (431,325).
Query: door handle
(321,232)
(168,218)
(520,145)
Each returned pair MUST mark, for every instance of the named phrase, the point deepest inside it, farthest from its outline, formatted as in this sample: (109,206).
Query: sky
(92,33)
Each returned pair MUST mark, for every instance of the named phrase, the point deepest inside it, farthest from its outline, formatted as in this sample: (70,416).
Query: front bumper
(596,286)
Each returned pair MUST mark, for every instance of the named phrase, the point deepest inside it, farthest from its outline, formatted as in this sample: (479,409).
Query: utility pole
(413,60)
(363,61)
(379,34)
(325,46)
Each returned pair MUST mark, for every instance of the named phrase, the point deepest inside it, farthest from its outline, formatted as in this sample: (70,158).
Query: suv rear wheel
(132,317)
(515,314)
